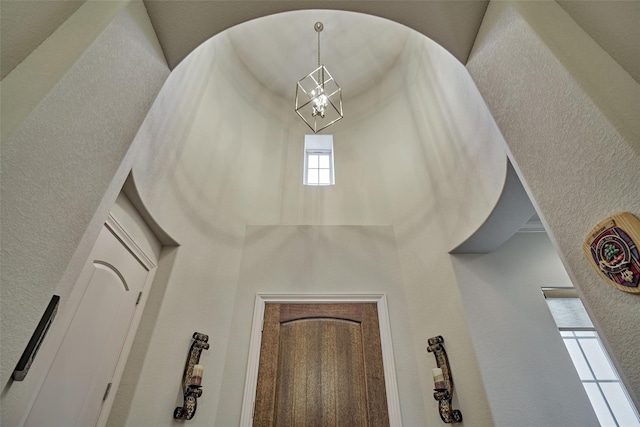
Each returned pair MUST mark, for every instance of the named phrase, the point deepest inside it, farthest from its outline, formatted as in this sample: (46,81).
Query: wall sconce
(192,378)
(443,390)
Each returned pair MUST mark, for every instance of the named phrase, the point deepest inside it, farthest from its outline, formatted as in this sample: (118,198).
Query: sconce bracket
(444,396)
(191,392)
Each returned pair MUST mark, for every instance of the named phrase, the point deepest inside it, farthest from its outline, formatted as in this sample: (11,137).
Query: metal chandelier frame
(318,96)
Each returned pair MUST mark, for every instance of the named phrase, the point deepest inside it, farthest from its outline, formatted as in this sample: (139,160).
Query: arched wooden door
(321,365)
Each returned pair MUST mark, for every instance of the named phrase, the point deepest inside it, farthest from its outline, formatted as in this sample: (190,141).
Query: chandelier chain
(318,48)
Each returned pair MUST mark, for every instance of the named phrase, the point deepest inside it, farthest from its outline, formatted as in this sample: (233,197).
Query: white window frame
(318,144)
(575,336)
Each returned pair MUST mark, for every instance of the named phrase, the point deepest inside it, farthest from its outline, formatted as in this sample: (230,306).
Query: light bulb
(320,103)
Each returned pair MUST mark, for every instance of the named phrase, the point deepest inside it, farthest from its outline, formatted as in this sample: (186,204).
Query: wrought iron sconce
(443,391)
(192,378)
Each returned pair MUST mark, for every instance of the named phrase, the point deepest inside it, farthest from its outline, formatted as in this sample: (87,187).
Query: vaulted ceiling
(182,25)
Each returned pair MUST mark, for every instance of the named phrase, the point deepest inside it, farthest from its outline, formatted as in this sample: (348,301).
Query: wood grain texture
(321,365)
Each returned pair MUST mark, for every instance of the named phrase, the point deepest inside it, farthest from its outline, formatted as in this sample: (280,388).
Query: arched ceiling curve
(357,49)
(436,122)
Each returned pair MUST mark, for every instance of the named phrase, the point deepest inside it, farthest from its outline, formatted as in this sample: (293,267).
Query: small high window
(318,160)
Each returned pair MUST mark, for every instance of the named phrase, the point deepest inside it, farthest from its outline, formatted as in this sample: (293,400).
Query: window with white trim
(318,160)
(607,394)
(318,168)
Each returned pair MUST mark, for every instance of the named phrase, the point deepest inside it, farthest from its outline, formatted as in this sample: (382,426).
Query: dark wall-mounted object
(444,394)
(192,389)
(29,354)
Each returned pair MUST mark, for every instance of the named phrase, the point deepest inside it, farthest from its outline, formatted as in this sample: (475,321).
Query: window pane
(566,333)
(578,359)
(585,334)
(597,359)
(599,405)
(620,405)
(312,177)
(324,177)
(312,161)
(324,161)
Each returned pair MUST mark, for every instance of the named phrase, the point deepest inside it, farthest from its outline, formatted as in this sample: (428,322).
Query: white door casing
(93,351)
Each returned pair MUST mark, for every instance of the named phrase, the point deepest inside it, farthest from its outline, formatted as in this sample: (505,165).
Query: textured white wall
(527,373)
(62,169)
(216,157)
(569,114)
(37,74)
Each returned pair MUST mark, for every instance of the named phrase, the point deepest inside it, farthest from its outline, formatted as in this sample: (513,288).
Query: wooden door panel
(321,365)
(320,378)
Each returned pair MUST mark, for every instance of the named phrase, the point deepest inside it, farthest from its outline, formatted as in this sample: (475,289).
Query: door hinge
(139,297)
(106,392)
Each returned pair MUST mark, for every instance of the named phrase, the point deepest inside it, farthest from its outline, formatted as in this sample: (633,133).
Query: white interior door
(73,390)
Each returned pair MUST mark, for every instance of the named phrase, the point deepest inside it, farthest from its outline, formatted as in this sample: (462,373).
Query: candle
(438,379)
(196,375)
(437,374)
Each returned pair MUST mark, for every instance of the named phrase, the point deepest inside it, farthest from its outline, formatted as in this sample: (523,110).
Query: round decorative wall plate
(612,250)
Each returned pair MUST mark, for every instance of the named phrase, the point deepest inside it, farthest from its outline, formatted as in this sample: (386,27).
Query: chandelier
(318,96)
